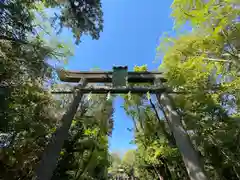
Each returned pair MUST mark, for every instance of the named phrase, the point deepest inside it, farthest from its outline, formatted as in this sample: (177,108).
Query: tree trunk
(189,154)
(50,156)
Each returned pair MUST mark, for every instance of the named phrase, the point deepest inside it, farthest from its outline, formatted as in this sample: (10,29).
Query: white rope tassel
(129,96)
(148,96)
(108,96)
(89,96)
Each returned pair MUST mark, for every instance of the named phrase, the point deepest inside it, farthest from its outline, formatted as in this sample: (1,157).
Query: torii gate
(119,77)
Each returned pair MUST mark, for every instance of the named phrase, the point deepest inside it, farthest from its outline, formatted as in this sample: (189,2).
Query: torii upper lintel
(107,76)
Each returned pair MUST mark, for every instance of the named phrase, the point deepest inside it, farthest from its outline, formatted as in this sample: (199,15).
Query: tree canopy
(201,66)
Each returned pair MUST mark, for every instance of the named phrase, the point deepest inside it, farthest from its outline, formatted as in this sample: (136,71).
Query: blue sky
(132,29)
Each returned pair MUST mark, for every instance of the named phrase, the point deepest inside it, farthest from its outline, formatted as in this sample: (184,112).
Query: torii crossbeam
(115,78)
(107,76)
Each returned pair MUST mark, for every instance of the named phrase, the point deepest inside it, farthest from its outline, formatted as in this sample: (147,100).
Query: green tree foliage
(85,153)
(203,65)
(29,113)
(115,164)
(122,167)
(24,48)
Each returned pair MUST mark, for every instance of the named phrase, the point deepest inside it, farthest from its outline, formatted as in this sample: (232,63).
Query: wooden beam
(101,89)
(121,90)
(106,76)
